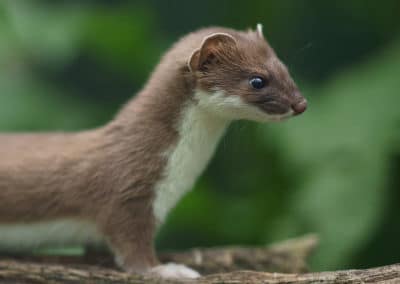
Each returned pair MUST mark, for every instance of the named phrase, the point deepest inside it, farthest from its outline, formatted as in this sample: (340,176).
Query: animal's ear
(260,30)
(213,46)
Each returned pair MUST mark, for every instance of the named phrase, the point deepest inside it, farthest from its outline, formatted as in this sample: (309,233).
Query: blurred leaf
(43,32)
(27,104)
(124,36)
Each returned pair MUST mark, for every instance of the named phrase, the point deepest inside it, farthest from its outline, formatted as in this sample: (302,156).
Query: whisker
(305,47)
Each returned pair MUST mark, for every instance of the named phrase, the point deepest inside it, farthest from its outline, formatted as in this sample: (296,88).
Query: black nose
(299,107)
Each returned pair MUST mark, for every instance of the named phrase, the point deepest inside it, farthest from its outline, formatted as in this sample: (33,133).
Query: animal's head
(239,76)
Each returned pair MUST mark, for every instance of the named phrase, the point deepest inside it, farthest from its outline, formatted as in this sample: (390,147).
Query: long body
(117,183)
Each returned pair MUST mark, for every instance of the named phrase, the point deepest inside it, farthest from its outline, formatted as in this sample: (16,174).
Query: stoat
(117,183)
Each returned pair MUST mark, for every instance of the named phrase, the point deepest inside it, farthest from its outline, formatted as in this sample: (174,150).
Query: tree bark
(286,263)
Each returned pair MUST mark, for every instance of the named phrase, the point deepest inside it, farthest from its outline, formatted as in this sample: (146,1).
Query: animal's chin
(278,117)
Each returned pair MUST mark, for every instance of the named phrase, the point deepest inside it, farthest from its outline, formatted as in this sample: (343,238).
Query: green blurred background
(69,65)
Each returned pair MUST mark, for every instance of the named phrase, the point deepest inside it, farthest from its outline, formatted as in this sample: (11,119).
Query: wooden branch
(286,257)
(385,275)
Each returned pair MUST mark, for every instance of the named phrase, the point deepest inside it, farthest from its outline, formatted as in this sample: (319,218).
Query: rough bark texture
(286,263)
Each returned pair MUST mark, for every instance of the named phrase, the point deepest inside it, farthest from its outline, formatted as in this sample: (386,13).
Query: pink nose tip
(299,107)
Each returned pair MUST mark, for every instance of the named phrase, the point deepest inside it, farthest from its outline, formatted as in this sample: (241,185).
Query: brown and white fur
(117,183)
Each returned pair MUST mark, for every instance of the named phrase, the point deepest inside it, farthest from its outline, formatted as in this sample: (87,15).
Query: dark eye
(257,82)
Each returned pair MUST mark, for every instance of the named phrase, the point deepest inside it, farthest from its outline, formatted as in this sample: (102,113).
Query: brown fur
(107,175)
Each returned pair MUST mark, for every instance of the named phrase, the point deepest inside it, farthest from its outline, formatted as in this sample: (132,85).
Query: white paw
(173,270)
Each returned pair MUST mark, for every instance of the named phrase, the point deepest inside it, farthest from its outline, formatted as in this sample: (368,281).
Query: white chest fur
(199,133)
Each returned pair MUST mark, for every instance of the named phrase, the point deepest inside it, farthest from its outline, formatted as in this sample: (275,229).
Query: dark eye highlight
(257,82)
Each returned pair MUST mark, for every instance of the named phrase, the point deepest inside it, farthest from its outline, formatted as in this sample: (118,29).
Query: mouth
(276,111)
(274,108)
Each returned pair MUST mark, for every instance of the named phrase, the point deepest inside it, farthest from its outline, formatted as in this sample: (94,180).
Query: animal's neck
(147,125)
(160,102)
(198,134)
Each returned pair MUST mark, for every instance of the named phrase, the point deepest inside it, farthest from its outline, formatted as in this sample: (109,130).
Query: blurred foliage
(334,170)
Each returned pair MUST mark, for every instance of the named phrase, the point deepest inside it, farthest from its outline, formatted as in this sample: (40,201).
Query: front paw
(173,270)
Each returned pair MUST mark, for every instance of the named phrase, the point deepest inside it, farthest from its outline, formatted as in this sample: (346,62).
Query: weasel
(117,183)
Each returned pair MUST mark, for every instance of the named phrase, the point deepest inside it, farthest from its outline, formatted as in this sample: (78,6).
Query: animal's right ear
(212,47)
